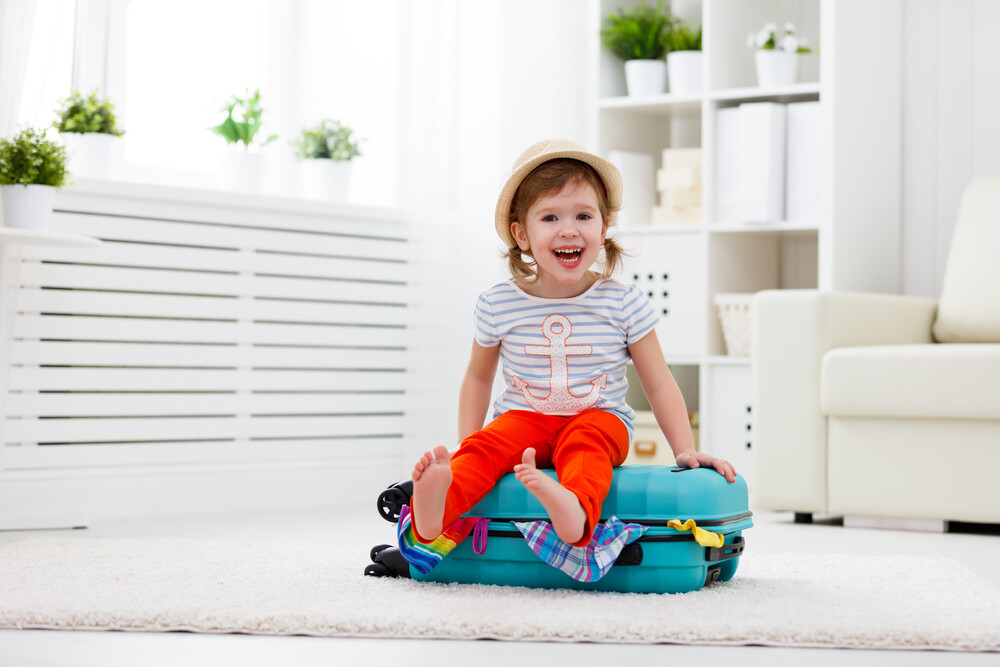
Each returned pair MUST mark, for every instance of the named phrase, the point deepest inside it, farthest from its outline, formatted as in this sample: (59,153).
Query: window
(184,59)
(49,63)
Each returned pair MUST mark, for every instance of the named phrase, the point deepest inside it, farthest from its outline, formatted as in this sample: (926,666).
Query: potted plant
(242,169)
(684,60)
(31,168)
(777,58)
(88,127)
(640,38)
(325,152)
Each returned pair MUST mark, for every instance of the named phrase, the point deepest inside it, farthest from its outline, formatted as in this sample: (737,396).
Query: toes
(441,453)
(528,458)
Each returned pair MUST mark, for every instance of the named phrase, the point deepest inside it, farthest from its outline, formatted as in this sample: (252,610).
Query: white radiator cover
(217,352)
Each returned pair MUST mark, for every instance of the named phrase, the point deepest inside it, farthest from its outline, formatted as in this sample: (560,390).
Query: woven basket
(734,314)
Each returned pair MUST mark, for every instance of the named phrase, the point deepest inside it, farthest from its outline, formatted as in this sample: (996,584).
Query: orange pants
(583,449)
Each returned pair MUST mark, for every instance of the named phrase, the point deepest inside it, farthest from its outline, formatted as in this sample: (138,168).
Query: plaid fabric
(588,563)
(424,557)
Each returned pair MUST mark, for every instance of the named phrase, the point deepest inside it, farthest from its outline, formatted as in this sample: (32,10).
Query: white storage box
(734,314)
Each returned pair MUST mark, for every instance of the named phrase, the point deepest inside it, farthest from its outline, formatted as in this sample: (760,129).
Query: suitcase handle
(726,551)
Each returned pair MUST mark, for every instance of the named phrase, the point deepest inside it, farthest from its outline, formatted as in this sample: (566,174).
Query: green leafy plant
(90,114)
(640,34)
(244,130)
(32,159)
(330,139)
(684,38)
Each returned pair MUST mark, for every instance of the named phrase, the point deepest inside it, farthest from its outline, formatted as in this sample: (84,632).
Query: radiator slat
(129,329)
(171,306)
(174,404)
(137,354)
(82,430)
(201,452)
(172,379)
(194,234)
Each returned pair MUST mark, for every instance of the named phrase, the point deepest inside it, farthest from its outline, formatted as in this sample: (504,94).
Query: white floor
(773,533)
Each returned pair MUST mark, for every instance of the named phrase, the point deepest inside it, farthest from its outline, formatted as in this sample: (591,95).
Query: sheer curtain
(17,18)
(481,82)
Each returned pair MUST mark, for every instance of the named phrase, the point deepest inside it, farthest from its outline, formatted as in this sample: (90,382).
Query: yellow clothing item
(705,538)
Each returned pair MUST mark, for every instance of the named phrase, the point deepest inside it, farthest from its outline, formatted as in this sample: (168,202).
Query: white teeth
(567,251)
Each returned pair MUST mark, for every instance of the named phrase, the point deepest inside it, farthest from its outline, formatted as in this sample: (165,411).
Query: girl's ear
(517,231)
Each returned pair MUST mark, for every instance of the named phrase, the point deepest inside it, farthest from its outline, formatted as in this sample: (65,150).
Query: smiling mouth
(569,256)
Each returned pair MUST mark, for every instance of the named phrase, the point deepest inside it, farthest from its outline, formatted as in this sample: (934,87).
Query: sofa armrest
(792,330)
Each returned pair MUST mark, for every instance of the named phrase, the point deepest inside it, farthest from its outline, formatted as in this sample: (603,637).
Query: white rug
(318,589)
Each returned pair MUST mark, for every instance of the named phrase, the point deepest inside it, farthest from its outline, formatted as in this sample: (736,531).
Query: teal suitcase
(663,560)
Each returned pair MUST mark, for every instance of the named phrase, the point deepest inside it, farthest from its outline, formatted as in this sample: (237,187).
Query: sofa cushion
(969,310)
(956,381)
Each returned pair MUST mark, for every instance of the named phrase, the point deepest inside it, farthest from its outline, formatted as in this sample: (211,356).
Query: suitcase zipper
(685,537)
(656,523)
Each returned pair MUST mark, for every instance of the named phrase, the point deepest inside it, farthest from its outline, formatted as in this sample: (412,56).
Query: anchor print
(559,401)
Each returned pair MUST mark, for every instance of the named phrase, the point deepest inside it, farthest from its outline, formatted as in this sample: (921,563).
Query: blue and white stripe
(609,316)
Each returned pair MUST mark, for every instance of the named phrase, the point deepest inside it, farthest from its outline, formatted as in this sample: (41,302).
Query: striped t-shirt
(564,356)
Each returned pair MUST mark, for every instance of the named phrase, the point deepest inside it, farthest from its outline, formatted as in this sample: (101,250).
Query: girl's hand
(693,459)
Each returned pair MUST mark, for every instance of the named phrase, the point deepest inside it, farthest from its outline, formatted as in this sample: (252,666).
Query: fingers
(698,459)
(725,469)
(688,459)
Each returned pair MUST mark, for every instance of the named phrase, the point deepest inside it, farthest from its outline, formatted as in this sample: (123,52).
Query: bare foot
(431,479)
(564,508)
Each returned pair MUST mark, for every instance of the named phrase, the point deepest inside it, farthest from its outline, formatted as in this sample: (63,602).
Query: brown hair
(547,179)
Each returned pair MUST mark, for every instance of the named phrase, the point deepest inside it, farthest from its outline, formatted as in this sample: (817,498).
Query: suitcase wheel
(713,574)
(376,550)
(378,570)
(388,562)
(391,501)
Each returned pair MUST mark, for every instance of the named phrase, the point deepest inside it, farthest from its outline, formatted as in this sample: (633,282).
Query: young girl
(564,335)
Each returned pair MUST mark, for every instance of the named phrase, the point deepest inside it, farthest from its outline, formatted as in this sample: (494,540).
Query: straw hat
(544,151)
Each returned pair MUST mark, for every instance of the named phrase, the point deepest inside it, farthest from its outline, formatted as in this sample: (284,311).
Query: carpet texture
(318,589)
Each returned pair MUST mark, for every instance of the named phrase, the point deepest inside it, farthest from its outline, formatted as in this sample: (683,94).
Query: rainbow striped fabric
(424,557)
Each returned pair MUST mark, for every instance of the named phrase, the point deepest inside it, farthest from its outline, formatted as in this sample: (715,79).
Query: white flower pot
(645,77)
(241,171)
(324,179)
(684,70)
(776,68)
(93,154)
(27,206)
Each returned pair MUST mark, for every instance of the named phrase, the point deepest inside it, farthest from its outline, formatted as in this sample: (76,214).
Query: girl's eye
(549,218)
(583,216)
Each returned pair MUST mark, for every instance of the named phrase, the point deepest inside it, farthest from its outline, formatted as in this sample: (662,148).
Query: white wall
(951,107)
(482,82)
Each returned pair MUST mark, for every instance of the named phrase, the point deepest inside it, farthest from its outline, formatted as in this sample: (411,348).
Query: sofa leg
(803,517)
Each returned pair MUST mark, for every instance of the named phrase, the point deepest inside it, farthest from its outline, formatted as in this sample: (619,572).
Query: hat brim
(608,172)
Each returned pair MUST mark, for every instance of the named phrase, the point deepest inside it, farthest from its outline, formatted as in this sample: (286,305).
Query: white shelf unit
(853,242)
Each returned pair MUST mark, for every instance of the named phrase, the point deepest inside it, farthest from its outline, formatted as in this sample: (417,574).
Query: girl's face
(564,233)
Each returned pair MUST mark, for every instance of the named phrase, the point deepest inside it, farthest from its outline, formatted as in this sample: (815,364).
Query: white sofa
(885,405)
